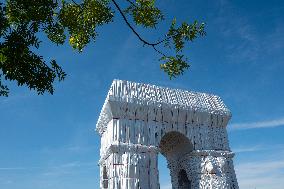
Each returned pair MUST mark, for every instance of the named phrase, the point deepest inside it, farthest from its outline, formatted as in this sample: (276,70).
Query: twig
(136,33)
(75,3)
(158,51)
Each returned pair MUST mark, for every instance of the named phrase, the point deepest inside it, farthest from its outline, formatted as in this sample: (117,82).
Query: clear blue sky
(48,142)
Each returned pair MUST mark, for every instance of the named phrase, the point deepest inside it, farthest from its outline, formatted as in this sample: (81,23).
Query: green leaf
(55,32)
(145,13)
(4,91)
(82,20)
(174,66)
(177,36)
(23,65)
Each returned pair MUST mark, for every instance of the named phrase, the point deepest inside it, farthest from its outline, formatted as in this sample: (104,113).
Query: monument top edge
(115,81)
(152,95)
(123,89)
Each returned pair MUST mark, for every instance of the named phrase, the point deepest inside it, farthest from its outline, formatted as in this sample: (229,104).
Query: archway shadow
(174,146)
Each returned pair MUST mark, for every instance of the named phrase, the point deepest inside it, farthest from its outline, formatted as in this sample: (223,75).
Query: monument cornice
(137,98)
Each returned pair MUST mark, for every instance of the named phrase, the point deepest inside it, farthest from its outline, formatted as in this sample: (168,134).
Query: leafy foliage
(174,66)
(145,13)
(76,22)
(186,32)
(17,61)
(24,66)
(82,20)
(176,38)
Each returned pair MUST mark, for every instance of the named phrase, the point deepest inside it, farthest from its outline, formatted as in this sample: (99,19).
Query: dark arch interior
(183,181)
(174,145)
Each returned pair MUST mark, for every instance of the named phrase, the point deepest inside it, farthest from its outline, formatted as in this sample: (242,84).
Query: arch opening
(174,146)
(164,172)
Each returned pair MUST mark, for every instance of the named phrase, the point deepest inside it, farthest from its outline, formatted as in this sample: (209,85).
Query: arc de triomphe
(139,121)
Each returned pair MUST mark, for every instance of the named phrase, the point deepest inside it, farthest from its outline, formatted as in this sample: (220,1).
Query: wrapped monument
(139,121)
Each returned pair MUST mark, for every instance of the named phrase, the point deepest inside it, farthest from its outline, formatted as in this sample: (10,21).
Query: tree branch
(75,3)
(129,25)
(153,45)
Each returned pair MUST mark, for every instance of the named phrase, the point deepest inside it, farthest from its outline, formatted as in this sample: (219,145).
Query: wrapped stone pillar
(130,166)
(210,169)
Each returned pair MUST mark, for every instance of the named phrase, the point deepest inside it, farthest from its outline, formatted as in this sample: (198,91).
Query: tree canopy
(77,22)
